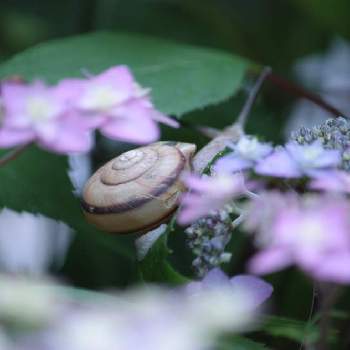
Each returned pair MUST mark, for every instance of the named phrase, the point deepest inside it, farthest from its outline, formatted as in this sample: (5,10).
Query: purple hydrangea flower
(207,194)
(246,152)
(294,160)
(313,232)
(257,289)
(37,113)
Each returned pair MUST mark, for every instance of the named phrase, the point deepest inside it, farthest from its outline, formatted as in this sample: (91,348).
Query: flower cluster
(36,315)
(308,227)
(334,134)
(311,231)
(61,118)
(208,206)
(290,161)
(294,161)
(208,238)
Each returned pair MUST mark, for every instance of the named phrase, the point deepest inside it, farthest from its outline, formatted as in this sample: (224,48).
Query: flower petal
(278,164)
(258,288)
(14,137)
(268,261)
(231,164)
(334,268)
(136,130)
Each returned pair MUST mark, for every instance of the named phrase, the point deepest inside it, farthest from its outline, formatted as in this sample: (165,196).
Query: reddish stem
(301,92)
(13,154)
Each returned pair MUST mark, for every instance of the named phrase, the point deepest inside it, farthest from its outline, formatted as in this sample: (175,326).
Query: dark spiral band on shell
(124,207)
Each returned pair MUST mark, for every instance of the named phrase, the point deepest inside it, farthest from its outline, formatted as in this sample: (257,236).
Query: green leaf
(298,331)
(155,267)
(37,182)
(240,343)
(182,77)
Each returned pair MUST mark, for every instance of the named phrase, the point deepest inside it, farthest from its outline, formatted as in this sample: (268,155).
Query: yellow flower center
(101,98)
(312,153)
(39,109)
(311,232)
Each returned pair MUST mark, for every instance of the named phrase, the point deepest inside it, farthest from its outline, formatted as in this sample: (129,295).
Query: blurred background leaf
(182,78)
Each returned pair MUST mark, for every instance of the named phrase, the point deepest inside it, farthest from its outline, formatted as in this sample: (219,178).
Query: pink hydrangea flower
(208,194)
(37,113)
(117,105)
(313,233)
(296,160)
(332,181)
(246,153)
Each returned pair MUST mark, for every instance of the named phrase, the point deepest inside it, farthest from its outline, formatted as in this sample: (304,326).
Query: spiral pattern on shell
(137,190)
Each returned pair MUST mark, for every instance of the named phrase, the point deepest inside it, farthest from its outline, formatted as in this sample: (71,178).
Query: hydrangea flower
(61,118)
(294,160)
(117,105)
(38,113)
(28,303)
(207,238)
(207,194)
(332,181)
(334,133)
(256,289)
(151,318)
(313,232)
(246,152)
(261,213)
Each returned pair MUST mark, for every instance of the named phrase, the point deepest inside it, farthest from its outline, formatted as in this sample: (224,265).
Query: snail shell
(139,189)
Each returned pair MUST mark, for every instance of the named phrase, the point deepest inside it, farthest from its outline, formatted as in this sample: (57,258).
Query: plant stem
(243,115)
(301,92)
(13,154)
(233,132)
(329,294)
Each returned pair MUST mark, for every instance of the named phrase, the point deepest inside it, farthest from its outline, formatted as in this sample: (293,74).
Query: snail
(138,190)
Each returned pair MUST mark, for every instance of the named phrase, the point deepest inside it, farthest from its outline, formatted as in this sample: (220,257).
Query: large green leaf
(182,77)
(37,182)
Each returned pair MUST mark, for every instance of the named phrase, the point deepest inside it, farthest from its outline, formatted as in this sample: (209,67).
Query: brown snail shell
(137,190)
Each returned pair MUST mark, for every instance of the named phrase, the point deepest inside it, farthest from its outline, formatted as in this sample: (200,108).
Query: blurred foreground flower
(312,231)
(332,181)
(254,289)
(153,318)
(61,118)
(28,304)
